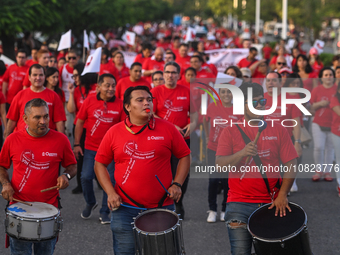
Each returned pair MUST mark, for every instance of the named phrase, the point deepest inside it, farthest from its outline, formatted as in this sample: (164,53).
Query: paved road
(89,237)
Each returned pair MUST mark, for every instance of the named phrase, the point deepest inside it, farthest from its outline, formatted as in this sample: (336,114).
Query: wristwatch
(176,184)
(298,141)
(68,176)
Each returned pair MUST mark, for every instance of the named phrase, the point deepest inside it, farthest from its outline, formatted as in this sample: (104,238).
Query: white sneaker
(294,187)
(222,216)
(212,216)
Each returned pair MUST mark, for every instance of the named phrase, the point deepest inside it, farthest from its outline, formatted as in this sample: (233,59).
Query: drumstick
(261,128)
(163,186)
(54,187)
(19,201)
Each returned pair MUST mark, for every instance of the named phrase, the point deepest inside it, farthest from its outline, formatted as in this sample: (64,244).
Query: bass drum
(275,235)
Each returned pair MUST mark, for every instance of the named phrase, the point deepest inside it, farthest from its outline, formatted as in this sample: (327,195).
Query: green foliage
(326,59)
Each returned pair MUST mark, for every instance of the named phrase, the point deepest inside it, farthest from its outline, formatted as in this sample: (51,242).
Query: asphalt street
(89,237)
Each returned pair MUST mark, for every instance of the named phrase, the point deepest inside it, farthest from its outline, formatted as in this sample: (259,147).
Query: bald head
(280,62)
(159,53)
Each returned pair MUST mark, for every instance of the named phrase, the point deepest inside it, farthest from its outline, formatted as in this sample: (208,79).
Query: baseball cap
(285,70)
(245,72)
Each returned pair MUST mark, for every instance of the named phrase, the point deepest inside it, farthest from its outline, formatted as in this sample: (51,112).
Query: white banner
(93,62)
(318,44)
(129,58)
(129,37)
(65,41)
(86,41)
(222,58)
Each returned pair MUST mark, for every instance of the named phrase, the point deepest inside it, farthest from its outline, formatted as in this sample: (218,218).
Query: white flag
(190,35)
(86,41)
(65,41)
(129,37)
(93,38)
(101,37)
(93,62)
(318,44)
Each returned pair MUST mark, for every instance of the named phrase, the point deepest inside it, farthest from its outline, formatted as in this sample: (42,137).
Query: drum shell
(167,242)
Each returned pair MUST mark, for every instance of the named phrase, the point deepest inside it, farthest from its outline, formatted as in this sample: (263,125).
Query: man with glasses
(281,62)
(172,103)
(13,77)
(169,56)
(250,59)
(153,64)
(157,78)
(248,190)
(274,80)
(100,113)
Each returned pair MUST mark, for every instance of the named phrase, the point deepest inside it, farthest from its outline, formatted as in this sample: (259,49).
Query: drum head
(156,220)
(36,211)
(263,224)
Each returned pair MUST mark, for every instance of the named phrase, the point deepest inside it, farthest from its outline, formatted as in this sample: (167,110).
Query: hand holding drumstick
(62,183)
(7,193)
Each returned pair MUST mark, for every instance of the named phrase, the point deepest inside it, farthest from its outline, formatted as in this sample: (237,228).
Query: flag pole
(83,53)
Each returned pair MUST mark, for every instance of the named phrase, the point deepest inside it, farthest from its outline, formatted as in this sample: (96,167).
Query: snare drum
(38,222)
(158,232)
(275,235)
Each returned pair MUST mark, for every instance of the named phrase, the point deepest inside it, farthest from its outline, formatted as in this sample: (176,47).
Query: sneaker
(316,177)
(87,213)
(77,190)
(294,187)
(104,219)
(328,177)
(222,216)
(212,216)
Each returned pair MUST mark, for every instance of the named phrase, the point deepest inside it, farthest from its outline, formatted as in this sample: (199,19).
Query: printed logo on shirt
(182,98)
(156,138)
(263,153)
(48,103)
(50,154)
(168,105)
(269,138)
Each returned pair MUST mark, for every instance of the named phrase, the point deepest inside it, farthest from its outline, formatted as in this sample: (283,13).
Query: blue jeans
(87,176)
(19,247)
(239,236)
(121,227)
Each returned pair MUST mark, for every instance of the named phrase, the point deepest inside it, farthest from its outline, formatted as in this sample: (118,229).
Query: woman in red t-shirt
(314,60)
(335,130)
(118,60)
(79,91)
(308,76)
(321,126)
(52,82)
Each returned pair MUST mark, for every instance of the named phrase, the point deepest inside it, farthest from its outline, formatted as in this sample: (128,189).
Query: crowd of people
(127,124)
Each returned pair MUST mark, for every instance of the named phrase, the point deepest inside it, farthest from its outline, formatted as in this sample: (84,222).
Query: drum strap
(258,162)
(133,201)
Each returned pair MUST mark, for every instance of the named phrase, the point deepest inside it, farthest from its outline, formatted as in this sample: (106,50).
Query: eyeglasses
(281,63)
(74,76)
(167,72)
(74,58)
(53,61)
(262,102)
(160,79)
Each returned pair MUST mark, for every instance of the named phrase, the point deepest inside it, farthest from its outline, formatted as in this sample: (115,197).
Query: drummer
(141,147)
(36,153)
(248,190)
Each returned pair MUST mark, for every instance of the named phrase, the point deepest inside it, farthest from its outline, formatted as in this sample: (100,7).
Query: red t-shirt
(2,101)
(273,147)
(99,116)
(317,67)
(184,63)
(218,112)
(30,63)
(172,105)
(124,72)
(140,58)
(203,73)
(212,67)
(79,97)
(109,67)
(126,83)
(323,115)
(55,106)
(267,51)
(292,112)
(36,164)
(335,128)
(141,157)
(151,64)
(14,76)
(244,62)
(183,82)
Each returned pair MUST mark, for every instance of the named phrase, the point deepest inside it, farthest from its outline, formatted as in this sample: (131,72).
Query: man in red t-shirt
(196,62)
(13,77)
(146,53)
(247,189)
(172,103)
(135,79)
(37,90)
(153,64)
(36,154)
(141,148)
(99,112)
(183,59)
(249,60)
(34,59)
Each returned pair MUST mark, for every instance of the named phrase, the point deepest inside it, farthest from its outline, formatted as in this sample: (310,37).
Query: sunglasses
(160,79)
(262,102)
(74,58)
(281,63)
